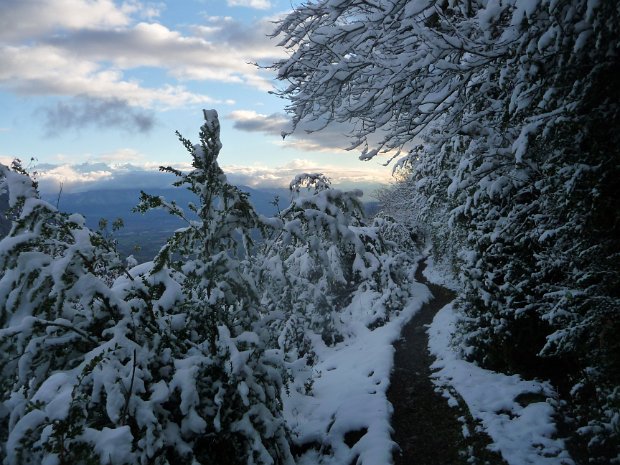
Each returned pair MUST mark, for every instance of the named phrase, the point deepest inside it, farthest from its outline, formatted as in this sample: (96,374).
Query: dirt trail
(426,428)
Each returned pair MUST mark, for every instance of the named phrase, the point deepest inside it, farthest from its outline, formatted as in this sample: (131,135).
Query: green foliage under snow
(182,359)
(509,112)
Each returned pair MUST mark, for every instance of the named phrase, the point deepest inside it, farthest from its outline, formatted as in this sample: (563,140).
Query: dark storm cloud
(82,112)
(306,136)
(253,122)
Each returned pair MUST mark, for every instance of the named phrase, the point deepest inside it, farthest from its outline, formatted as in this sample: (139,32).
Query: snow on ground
(439,273)
(350,382)
(516,414)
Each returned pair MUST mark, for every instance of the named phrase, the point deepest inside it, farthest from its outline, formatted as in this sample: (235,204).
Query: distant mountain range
(113,203)
(144,234)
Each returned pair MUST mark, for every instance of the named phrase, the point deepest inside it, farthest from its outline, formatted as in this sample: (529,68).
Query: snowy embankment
(349,385)
(516,414)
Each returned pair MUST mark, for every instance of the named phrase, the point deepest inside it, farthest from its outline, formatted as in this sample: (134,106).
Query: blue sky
(94,88)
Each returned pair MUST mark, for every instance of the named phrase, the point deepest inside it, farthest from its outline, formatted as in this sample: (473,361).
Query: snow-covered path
(426,425)
(436,409)
(345,417)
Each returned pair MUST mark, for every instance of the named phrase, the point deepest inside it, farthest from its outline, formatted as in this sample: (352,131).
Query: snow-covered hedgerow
(325,255)
(518,415)
(508,111)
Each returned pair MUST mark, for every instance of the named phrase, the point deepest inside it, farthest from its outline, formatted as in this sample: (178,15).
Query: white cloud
(34,18)
(104,172)
(280,176)
(128,168)
(223,50)
(48,70)
(70,175)
(258,4)
(80,47)
(121,156)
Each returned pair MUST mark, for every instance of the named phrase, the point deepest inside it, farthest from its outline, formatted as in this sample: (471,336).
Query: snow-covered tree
(229,379)
(163,363)
(65,354)
(326,256)
(508,111)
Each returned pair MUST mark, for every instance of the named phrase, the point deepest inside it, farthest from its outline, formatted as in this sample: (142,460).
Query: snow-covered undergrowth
(349,384)
(190,358)
(517,414)
(439,272)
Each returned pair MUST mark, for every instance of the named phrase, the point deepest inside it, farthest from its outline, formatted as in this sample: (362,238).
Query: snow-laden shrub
(164,363)
(234,375)
(325,256)
(61,322)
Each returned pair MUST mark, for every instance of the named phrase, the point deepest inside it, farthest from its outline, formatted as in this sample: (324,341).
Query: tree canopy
(505,114)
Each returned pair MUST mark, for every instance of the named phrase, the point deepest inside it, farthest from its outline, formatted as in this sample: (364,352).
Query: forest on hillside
(501,118)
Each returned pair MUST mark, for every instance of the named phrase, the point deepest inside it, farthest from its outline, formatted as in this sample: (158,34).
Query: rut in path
(426,428)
